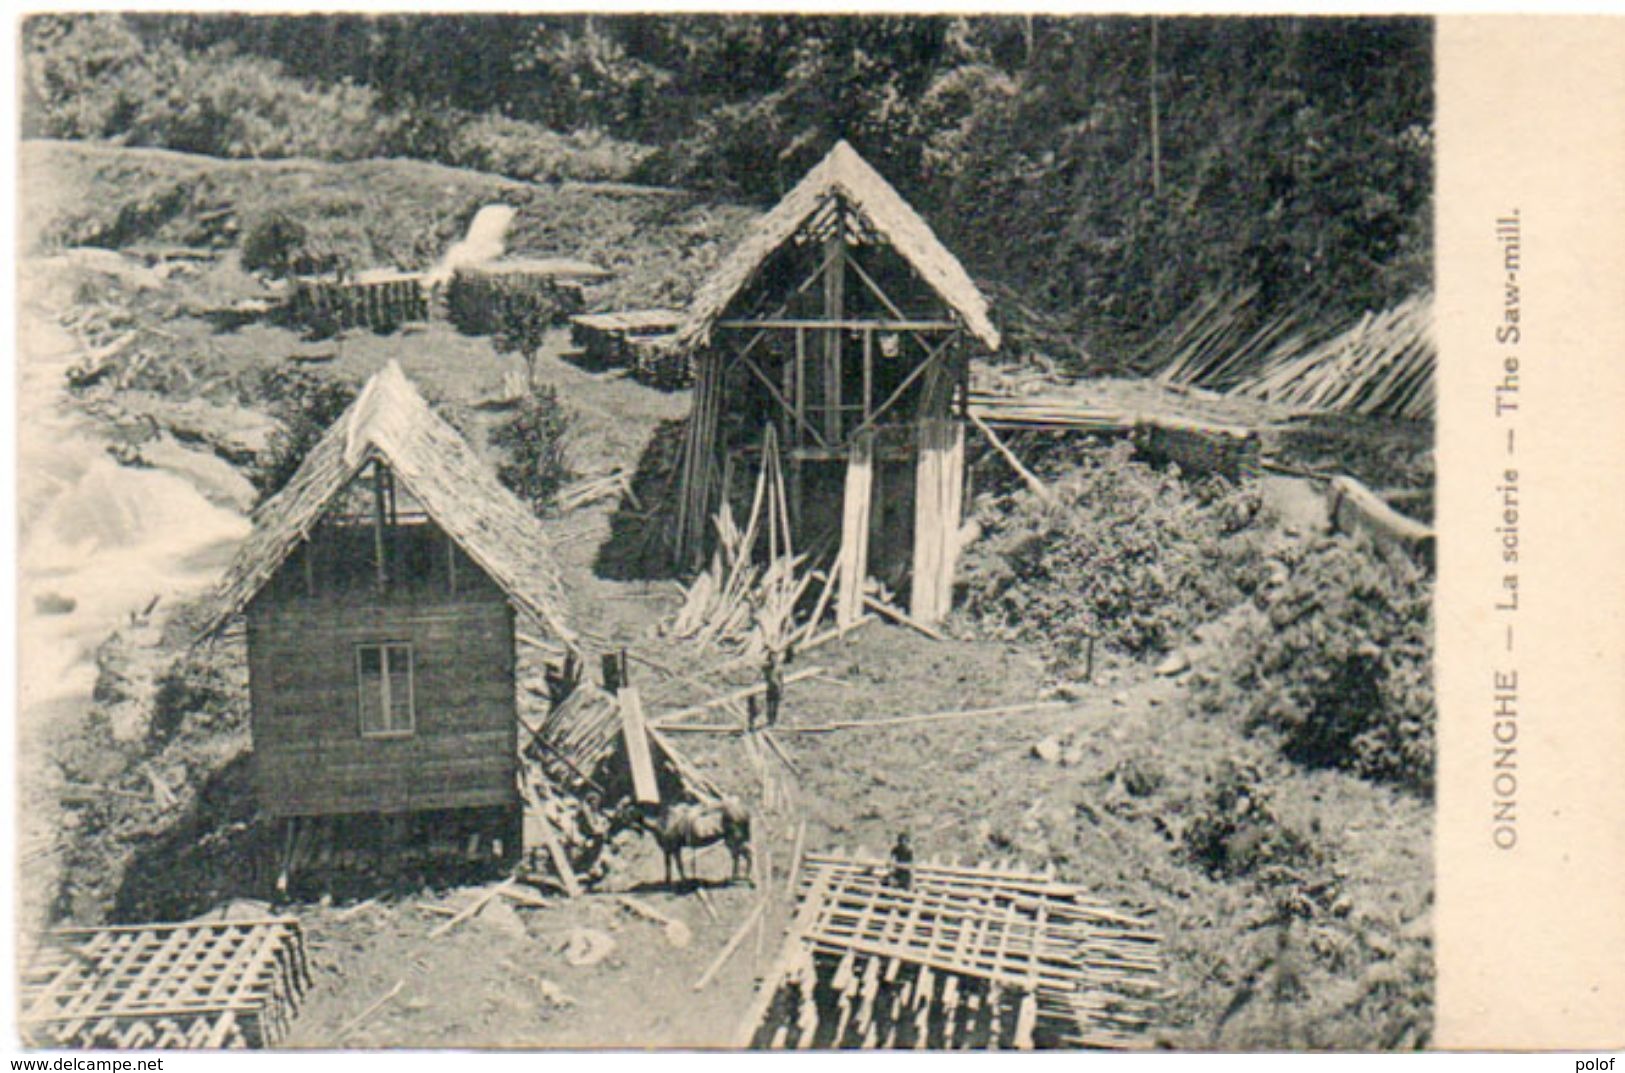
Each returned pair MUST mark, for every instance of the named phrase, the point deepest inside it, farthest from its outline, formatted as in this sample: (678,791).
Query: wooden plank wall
(309,755)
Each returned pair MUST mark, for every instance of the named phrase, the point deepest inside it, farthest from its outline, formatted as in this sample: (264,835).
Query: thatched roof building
(389,421)
(843,326)
(882,217)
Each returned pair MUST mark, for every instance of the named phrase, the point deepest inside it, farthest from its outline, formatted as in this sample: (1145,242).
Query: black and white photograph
(740,531)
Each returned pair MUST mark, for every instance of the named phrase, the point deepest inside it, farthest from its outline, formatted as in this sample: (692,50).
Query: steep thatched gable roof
(845,174)
(389,420)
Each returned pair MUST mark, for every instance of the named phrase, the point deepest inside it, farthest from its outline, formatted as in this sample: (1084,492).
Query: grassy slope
(380,212)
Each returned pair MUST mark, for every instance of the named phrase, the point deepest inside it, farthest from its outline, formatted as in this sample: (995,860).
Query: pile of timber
(1196,445)
(961,957)
(631,339)
(737,601)
(381,301)
(480,296)
(1383,365)
(580,746)
(204,985)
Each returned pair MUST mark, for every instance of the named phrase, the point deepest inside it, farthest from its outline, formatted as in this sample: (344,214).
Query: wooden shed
(841,320)
(379,589)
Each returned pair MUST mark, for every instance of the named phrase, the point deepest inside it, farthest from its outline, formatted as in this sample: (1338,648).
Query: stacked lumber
(381,301)
(1382,365)
(606,338)
(961,957)
(656,362)
(479,297)
(1054,412)
(199,985)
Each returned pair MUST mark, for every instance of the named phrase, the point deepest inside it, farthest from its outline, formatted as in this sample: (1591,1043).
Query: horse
(691,826)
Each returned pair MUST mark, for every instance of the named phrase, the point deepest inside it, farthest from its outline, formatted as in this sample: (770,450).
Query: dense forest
(1098,174)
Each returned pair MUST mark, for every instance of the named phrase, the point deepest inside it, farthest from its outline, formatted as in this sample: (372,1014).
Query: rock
(587,946)
(1177,662)
(499,915)
(1120,700)
(54,603)
(1154,701)
(1048,750)
(554,995)
(1072,756)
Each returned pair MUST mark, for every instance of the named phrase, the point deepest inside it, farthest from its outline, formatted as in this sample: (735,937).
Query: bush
(534,439)
(197,691)
(272,244)
(1131,556)
(306,404)
(1340,664)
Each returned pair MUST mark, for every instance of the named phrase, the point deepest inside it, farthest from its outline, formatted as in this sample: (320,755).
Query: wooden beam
(902,324)
(930,360)
(834,310)
(791,410)
(645,787)
(1040,489)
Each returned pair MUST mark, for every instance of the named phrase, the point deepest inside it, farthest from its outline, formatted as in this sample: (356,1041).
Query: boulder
(1176,662)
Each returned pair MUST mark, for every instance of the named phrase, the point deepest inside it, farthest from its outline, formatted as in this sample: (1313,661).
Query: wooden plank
(645,787)
(854,553)
(832,324)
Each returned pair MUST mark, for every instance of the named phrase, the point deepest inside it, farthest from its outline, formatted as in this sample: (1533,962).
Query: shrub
(272,244)
(306,404)
(1340,664)
(534,439)
(196,690)
(1130,555)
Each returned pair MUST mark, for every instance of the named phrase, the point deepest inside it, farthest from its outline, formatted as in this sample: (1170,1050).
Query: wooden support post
(868,373)
(938,499)
(835,311)
(378,522)
(854,553)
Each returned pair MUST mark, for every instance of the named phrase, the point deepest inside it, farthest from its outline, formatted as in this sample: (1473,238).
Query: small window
(385,675)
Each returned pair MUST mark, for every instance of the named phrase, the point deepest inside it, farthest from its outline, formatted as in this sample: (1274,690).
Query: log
(361,1018)
(902,619)
(932,717)
(1040,489)
(472,907)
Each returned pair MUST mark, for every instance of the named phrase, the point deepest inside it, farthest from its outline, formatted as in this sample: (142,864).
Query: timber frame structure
(843,322)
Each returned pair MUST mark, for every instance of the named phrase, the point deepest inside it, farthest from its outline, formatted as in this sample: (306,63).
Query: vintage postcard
(962,532)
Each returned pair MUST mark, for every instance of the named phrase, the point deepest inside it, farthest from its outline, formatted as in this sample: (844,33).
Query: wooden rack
(963,957)
(201,985)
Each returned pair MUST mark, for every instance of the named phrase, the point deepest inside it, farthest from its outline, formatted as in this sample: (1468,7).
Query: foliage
(1291,153)
(272,244)
(1131,556)
(195,692)
(521,150)
(1340,663)
(306,403)
(535,440)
